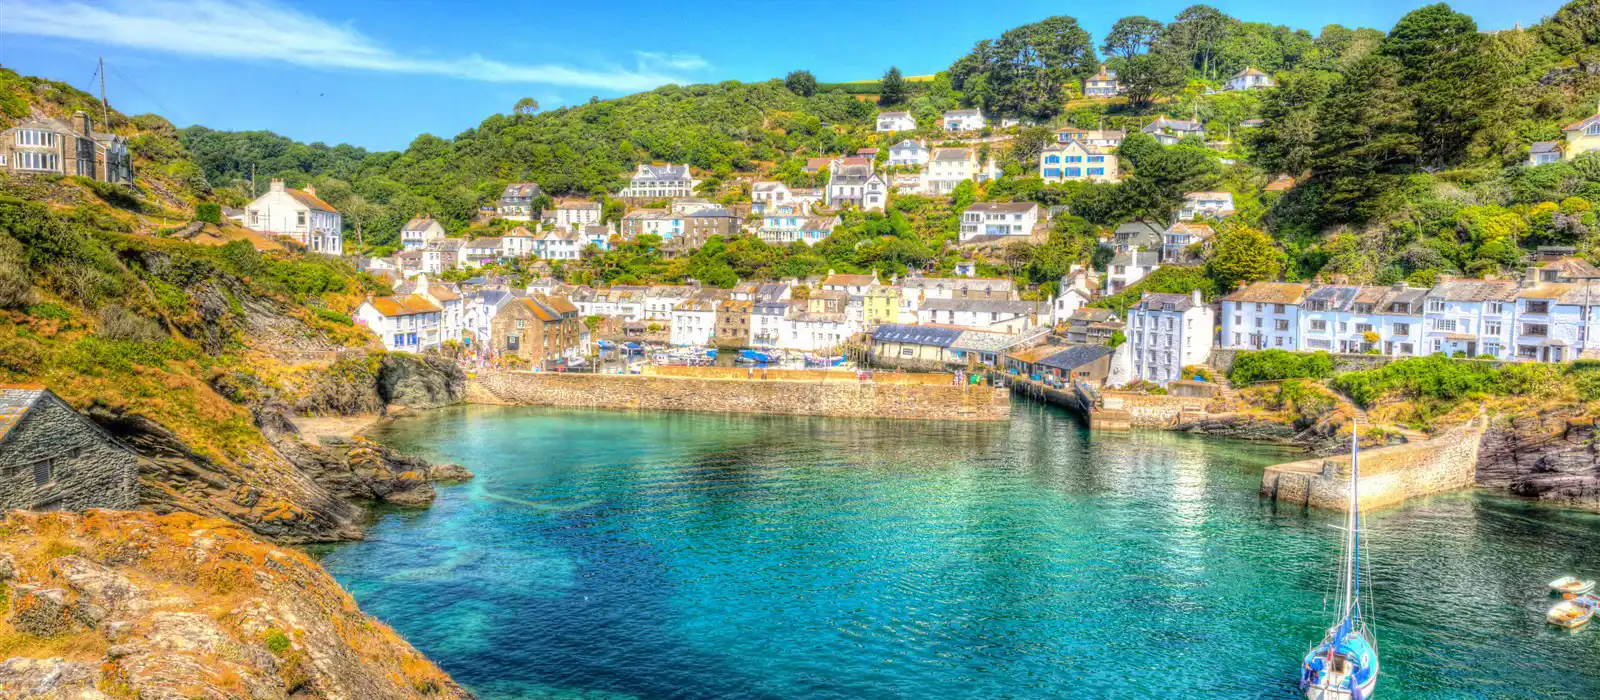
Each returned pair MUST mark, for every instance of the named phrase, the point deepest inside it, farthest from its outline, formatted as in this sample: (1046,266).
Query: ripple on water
(687,556)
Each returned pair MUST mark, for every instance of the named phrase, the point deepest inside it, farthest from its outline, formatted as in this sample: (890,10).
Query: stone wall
(1146,410)
(796,375)
(903,400)
(1389,475)
(85,467)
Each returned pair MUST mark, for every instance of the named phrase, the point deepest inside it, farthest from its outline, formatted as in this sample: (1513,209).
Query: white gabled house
(1248,79)
(298,215)
(890,122)
(1179,237)
(420,231)
(1168,132)
(1073,292)
(1077,161)
(909,152)
(1168,332)
(576,213)
(1263,315)
(1127,268)
(1469,316)
(964,120)
(998,219)
(404,323)
(660,182)
(1103,84)
(1208,205)
(1363,319)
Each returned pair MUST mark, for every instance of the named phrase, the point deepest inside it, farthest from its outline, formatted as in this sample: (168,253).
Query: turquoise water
(690,556)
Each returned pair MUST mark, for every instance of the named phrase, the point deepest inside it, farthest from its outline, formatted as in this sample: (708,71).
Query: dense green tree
(1158,184)
(1144,76)
(1452,87)
(1366,135)
(1195,37)
(525,106)
(1029,69)
(892,88)
(1242,254)
(1131,36)
(1138,146)
(801,82)
(1290,115)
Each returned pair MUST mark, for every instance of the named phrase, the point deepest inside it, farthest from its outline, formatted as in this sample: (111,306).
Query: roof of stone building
(1092,314)
(662,172)
(15,402)
(952,154)
(310,200)
(1200,231)
(1545,147)
(915,335)
(419,223)
(1465,289)
(1011,306)
(1179,302)
(842,280)
(1137,258)
(1270,293)
(403,305)
(1004,207)
(991,341)
(520,189)
(1573,268)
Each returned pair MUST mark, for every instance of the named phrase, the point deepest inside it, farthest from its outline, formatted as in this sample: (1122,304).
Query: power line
(165,110)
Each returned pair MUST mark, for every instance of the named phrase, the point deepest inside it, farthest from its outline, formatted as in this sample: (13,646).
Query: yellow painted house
(1582,136)
(881,304)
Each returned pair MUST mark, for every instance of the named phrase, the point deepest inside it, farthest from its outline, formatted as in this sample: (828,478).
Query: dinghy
(1344,665)
(1572,613)
(1571,585)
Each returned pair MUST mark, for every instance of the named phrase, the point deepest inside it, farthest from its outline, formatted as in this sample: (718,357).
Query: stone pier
(734,390)
(1389,475)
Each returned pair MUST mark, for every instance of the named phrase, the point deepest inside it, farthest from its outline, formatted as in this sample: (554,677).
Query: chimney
(1194,298)
(83,123)
(311,190)
(277,185)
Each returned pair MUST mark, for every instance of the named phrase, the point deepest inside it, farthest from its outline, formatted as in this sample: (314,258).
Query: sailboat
(1344,665)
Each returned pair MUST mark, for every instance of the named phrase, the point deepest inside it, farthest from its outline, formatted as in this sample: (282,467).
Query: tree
(1366,134)
(1451,86)
(1195,35)
(1289,115)
(1028,144)
(1138,146)
(1158,185)
(1131,36)
(1029,69)
(525,106)
(1144,76)
(1240,253)
(801,82)
(892,89)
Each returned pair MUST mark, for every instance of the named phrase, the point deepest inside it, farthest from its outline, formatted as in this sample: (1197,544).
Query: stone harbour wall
(902,401)
(1121,410)
(1389,475)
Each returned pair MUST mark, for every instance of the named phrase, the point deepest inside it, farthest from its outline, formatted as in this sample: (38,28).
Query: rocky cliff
(122,604)
(1551,457)
(420,381)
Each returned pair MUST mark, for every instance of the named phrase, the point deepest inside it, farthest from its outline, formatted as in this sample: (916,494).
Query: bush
(333,316)
(1274,365)
(1441,379)
(118,323)
(115,195)
(208,212)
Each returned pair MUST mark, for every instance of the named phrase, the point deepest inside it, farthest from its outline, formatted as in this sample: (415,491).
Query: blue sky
(377,73)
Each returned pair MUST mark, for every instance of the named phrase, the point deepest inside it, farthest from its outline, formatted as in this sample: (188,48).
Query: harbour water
(608,554)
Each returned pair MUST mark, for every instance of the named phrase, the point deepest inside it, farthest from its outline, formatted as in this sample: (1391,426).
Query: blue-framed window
(399,339)
(1052,159)
(1097,159)
(1097,171)
(1074,159)
(1052,172)
(1074,172)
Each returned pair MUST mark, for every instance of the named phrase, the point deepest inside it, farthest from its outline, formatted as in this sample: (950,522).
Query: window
(36,137)
(1097,171)
(1592,129)
(1527,351)
(1405,348)
(1491,328)
(521,324)
(1277,308)
(1320,344)
(1343,326)
(1535,329)
(1363,328)
(1538,306)
(1281,324)
(1277,340)
(2,159)
(1319,325)
(30,160)
(1236,339)
(1497,307)
(44,472)
(1436,305)
(1402,329)
(1258,322)
(1447,325)
(1238,320)
(1097,159)
(300,218)
(905,352)
(1260,308)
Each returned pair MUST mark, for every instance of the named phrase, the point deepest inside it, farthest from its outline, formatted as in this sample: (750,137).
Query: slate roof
(1004,207)
(15,402)
(1179,125)
(650,173)
(1158,302)
(1473,290)
(952,154)
(1545,147)
(995,284)
(894,114)
(403,305)
(418,224)
(1011,306)
(1092,314)
(1137,258)
(1075,357)
(1248,71)
(1270,293)
(915,335)
(520,189)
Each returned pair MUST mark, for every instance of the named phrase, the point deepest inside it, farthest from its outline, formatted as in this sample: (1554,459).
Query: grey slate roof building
(53,458)
(1075,356)
(916,335)
(1144,235)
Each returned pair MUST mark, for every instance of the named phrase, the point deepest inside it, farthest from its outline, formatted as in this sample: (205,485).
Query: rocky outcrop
(126,604)
(1551,457)
(1240,426)
(420,381)
(360,469)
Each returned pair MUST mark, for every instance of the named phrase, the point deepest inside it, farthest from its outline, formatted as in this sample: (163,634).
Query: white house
(694,322)
(478,252)
(890,122)
(765,195)
(516,201)
(658,222)
(858,186)
(1469,316)
(1077,161)
(909,152)
(1208,205)
(516,243)
(1544,152)
(1249,78)
(1263,315)
(783,230)
(1179,237)
(1552,320)
(1073,292)
(1363,319)
(1129,267)
(1103,84)
(1169,132)
(767,322)
(420,231)
(299,215)
(443,254)
(1105,139)
(558,244)
(477,313)
(661,299)
(965,120)
(452,311)
(1168,332)
(999,315)
(660,182)
(948,167)
(998,219)
(404,323)
(575,214)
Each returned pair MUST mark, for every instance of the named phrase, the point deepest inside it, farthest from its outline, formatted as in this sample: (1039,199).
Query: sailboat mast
(1352,520)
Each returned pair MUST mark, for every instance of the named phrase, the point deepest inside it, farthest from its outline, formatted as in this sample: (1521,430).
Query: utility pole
(252,180)
(105,109)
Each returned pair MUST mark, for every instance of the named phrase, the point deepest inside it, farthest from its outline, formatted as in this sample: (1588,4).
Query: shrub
(208,212)
(118,323)
(1274,365)
(1440,379)
(50,310)
(115,195)
(333,316)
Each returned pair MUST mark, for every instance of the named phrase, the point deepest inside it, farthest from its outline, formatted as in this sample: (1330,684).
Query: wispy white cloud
(259,30)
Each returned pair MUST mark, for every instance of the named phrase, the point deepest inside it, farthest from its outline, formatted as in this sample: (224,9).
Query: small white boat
(1571,585)
(1571,614)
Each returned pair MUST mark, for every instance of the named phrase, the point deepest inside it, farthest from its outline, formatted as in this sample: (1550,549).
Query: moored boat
(1572,613)
(1344,665)
(1571,585)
